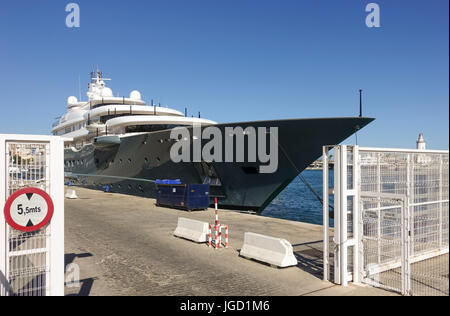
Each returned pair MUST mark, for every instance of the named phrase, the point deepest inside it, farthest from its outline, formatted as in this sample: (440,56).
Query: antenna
(79,88)
(360,102)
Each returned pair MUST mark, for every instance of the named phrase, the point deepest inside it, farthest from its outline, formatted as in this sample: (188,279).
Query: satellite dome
(72,100)
(107,92)
(135,95)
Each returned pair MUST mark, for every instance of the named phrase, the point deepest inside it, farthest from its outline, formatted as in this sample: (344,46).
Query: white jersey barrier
(71,194)
(275,251)
(191,229)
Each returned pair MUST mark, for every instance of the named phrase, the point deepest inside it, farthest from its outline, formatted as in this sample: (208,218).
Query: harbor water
(297,202)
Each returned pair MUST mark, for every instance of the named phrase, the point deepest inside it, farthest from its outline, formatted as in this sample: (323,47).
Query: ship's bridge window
(148,128)
(111,115)
(59,132)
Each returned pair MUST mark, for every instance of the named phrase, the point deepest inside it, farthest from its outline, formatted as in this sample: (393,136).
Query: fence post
(340,217)
(3,277)
(441,223)
(379,190)
(406,239)
(56,163)
(337,214)
(343,218)
(410,195)
(326,220)
(356,210)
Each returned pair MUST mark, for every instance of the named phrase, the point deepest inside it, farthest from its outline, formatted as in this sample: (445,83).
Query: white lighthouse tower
(421,144)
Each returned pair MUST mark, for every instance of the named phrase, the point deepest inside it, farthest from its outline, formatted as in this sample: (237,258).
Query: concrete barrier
(191,229)
(71,194)
(275,251)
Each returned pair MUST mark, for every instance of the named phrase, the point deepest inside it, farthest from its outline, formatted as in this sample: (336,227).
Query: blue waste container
(184,196)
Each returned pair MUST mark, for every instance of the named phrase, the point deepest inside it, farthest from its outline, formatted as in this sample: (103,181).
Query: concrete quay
(124,245)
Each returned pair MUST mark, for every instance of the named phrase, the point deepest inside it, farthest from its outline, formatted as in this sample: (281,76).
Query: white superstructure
(104,114)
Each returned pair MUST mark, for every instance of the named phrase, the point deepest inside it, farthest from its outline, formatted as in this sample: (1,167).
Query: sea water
(296,202)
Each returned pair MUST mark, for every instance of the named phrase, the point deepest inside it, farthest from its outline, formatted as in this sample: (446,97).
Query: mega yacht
(123,144)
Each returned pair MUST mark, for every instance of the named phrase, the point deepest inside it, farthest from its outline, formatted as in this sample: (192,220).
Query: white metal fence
(32,263)
(391,219)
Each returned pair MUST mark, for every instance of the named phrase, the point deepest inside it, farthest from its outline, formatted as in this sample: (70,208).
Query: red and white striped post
(216,237)
(209,236)
(226,236)
(217,211)
(217,230)
(216,226)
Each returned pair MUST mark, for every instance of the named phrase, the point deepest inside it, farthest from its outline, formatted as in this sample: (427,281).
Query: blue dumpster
(184,196)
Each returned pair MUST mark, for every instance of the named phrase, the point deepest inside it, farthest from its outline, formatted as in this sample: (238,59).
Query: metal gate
(32,263)
(391,219)
(385,241)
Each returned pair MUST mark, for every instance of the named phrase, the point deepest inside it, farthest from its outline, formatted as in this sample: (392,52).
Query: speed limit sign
(28,209)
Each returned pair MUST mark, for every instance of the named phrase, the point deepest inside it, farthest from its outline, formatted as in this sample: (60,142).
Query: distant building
(421,144)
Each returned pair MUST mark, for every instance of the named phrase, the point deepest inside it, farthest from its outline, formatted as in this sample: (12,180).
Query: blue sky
(235,60)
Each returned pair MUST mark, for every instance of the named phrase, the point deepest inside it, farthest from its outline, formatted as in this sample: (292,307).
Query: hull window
(250,170)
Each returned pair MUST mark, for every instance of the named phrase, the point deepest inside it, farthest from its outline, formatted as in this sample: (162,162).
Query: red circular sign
(28,209)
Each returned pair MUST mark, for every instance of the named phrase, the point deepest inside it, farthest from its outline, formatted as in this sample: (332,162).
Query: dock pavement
(124,245)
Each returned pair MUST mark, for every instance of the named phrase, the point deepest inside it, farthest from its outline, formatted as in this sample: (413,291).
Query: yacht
(123,145)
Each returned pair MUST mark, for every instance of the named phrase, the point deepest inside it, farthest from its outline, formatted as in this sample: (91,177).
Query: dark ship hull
(131,165)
